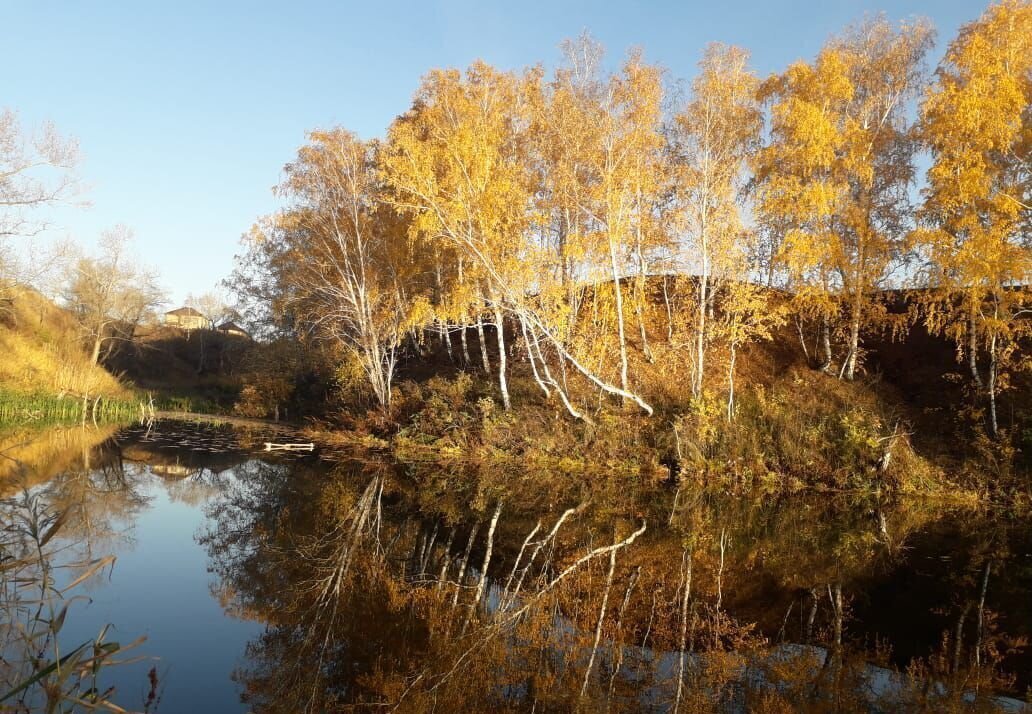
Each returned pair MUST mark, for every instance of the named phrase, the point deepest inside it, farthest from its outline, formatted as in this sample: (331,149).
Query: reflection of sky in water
(160,588)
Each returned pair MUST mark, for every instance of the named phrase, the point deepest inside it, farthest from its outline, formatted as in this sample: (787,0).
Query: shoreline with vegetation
(741,288)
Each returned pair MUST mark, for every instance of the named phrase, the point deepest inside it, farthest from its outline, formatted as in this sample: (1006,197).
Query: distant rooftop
(231,327)
(184,312)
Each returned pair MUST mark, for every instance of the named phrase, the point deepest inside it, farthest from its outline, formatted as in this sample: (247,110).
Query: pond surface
(274,582)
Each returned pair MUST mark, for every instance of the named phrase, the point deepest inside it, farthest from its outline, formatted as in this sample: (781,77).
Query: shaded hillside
(171,358)
(943,407)
(217,372)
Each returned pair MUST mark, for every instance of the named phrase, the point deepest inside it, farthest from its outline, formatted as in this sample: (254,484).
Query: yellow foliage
(976,215)
(838,169)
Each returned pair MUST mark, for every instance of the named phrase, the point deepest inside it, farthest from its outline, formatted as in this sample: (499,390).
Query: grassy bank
(43,353)
(802,430)
(46,377)
(16,408)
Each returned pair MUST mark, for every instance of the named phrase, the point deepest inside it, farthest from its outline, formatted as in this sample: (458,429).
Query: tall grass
(38,408)
(188,403)
(39,671)
(42,352)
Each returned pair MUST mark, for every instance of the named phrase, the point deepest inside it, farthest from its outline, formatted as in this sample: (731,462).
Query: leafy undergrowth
(806,428)
(801,430)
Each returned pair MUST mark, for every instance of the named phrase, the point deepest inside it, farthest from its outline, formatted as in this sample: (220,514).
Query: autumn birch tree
(712,138)
(626,129)
(798,189)
(457,164)
(886,68)
(838,170)
(343,255)
(748,312)
(560,154)
(977,122)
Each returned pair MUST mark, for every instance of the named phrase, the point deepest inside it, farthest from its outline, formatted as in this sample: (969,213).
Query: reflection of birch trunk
(516,564)
(503,622)
(784,622)
(344,543)
(835,595)
(379,513)
(483,568)
(446,560)
(332,585)
(533,556)
(958,638)
(686,592)
(833,657)
(601,621)
(981,609)
(810,618)
(428,549)
(464,562)
(720,569)
(416,556)
(677,493)
(618,647)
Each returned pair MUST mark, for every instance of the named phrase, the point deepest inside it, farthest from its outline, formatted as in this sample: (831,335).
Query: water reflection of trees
(371,580)
(65,495)
(38,453)
(81,474)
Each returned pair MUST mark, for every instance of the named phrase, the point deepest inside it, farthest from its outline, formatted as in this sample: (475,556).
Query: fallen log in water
(269,446)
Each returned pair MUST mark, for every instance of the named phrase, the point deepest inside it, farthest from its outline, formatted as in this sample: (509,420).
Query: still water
(327,582)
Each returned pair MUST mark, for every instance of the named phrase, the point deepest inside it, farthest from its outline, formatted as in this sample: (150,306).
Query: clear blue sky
(187,111)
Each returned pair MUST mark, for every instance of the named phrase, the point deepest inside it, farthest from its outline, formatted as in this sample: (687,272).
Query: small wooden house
(186,318)
(231,328)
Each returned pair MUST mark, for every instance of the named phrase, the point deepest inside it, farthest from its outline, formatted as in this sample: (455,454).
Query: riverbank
(803,430)
(907,426)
